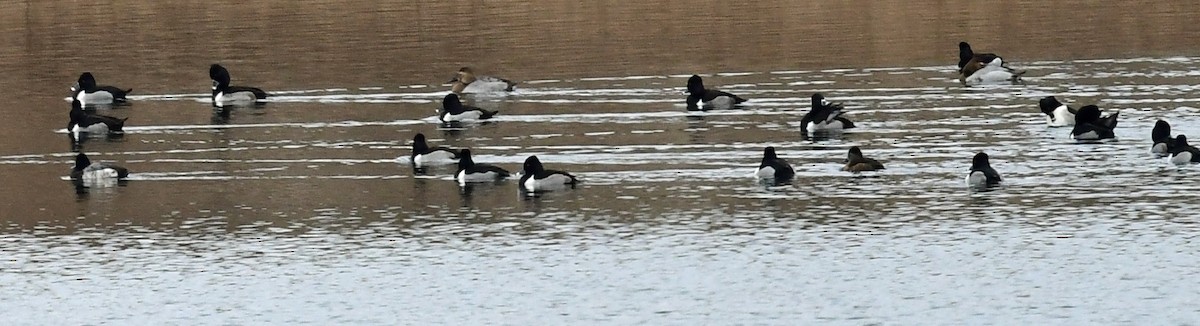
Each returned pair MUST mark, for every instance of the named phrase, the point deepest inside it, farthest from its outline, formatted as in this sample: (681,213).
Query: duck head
(1162,131)
(695,85)
(980,162)
(81,162)
(220,78)
(1087,114)
(532,165)
(451,104)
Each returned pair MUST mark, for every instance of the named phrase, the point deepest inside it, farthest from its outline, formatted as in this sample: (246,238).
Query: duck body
(86,91)
(702,98)
(536,178)
(225,94)
(454,111)
(824,116)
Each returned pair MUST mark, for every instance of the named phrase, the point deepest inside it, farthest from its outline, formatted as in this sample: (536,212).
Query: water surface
(300,212)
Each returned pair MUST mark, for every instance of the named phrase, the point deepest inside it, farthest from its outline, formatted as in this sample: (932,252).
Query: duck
(991,72)
(422,154)
(465,81)
(1164,144)
(469,171)
(982,174)
(773,167)
(536,178)
(1183,153)
(1057,114)
(85,170)
(86,91)
(94,124)
(224,94)
(855,162)
(711,98)
(1089,126)
(969,61)
(824,116)
(454,111)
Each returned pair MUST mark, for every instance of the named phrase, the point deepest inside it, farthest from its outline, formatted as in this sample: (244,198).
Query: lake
(305,210)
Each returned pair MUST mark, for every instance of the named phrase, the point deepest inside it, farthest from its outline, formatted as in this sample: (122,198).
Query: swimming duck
(1183,153)
(469,171)
(422,154)
(773,167)
(711,98)
(824,116)
(1164,144)
(1057,114)
(1089,126)
(982,174)
(465,81)
(991,72)
(855,162)
(86,91)
(535,178)
(224,94)
(969,61)
(94,124)
(85,170)
(454,111)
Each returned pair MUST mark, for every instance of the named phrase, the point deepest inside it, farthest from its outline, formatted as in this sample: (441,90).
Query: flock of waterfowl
(1089,125)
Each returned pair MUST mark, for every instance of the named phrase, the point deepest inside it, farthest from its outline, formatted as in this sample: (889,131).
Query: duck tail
(488,114)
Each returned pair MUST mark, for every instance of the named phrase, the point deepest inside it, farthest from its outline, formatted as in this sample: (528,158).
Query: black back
(783,170)
(823,112)
(980,163)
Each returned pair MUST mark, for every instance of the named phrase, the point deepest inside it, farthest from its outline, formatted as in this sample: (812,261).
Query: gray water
(305,210)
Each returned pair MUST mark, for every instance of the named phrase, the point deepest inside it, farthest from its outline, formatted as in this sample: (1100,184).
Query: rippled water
(304,210)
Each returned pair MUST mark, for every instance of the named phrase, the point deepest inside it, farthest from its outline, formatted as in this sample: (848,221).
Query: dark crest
(1048,104)
(532,165)
(855,152)
(86,82)
(219,74)
(1161,132)
(464,159)
(1088,114)
(964,54)
(695,85)
(451,104)
(980,161)
(769,153)
(81,162)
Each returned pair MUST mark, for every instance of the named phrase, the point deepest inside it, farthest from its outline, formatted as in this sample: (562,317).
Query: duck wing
(712,94)
(258,93)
